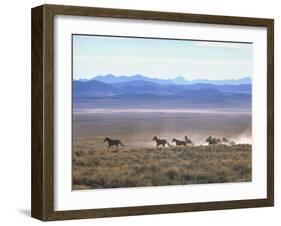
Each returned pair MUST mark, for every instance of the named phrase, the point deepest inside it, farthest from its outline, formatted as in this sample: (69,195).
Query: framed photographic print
(141,112)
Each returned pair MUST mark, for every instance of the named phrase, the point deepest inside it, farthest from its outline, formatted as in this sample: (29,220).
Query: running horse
(179,142)
(112,142)
(160,142)
(212,140)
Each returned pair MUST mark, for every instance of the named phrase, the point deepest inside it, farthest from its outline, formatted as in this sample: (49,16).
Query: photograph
(158,112)
(140,112)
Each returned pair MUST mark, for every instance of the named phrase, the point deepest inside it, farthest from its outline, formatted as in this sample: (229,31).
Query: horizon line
(170,79)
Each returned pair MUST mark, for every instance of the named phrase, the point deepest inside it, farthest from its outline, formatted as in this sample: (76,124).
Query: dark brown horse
(212,140)
(160,142)
(112,142)
(179,142)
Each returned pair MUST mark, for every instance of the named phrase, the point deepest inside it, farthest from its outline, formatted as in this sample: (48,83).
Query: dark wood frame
(42,203)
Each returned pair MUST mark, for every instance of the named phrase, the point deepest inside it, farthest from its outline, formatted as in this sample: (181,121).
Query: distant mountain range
(147,92)
(94,88)
(178,80)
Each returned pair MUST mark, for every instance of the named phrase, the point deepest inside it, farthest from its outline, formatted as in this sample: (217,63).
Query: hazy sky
(165,59)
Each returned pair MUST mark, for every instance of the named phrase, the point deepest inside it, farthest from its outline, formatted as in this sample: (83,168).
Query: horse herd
(210,140)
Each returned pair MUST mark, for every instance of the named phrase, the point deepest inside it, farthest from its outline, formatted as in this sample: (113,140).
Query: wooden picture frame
(43,112)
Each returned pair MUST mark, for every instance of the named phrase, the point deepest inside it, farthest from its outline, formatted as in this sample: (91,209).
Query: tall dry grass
(148,166)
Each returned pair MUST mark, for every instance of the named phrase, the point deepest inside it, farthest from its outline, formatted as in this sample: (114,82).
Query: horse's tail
(168,143)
